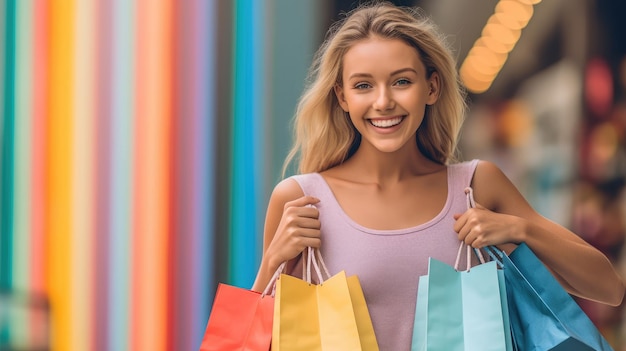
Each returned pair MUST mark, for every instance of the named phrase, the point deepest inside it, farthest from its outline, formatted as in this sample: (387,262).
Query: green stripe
(23,126)
(20,330)
(8,130)
(20,326)
(6,157)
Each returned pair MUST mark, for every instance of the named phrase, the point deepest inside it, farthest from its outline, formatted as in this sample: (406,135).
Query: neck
(371,165)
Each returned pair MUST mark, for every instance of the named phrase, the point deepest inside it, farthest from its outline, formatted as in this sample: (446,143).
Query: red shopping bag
(240,319)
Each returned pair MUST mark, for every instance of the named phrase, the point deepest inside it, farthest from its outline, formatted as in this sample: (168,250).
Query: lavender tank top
(388,262)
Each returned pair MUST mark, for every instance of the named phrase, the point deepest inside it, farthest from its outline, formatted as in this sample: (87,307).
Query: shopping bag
(331,315)
(362,315)
(543,315)
(461,310)
(240,319)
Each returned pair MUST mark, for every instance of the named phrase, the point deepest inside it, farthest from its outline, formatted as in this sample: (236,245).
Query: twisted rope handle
(471,203)
(272,282)
(314,259)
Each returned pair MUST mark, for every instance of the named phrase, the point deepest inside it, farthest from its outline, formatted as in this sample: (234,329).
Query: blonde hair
(324,137)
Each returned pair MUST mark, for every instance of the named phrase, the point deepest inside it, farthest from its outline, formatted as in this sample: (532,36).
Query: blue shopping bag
(461,310)
(543,315)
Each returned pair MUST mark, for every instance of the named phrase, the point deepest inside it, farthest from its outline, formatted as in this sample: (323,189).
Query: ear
(340,97)
(434,86)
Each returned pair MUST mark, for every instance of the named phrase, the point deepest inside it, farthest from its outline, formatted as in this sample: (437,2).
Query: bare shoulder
(487,171)
(287,190)
(495,191)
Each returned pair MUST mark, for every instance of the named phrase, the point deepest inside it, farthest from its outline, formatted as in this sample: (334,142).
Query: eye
(402,81)
(362,85)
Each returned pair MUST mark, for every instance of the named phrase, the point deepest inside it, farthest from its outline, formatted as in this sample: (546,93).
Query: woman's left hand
(480,227)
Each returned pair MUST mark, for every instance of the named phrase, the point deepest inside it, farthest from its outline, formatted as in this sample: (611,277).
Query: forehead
(378,54)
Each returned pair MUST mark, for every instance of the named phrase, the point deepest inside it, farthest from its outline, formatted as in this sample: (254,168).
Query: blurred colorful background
(140,140)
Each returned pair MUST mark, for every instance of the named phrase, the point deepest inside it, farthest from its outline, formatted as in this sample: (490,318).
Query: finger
(456,216)
(469,238)
(302,201)
(309,212)
(461,220)
(309,223)
(464,234)
(315,243)
(478,242)
(305,236)
(313,224)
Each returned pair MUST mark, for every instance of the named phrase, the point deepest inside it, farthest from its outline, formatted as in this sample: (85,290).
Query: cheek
(358,101)
(357,121)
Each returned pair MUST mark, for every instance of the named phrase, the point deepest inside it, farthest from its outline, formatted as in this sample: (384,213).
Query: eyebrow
(367,75)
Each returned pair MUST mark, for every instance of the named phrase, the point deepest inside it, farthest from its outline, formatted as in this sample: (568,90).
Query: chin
(388,149)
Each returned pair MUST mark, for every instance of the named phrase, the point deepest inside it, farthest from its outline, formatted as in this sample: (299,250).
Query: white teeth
(386,123)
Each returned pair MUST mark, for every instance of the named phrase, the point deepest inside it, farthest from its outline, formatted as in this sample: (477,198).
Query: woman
(379,191)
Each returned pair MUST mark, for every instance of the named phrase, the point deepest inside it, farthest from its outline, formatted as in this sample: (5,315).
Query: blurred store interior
(554,117)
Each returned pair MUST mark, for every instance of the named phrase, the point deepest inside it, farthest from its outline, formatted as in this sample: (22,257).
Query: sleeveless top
(388,263)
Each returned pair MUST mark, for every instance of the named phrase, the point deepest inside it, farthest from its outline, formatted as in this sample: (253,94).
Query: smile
(386,123)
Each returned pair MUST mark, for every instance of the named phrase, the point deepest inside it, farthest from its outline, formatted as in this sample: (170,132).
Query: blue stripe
(261,152)
(204,164)
(122,95)
(247,175)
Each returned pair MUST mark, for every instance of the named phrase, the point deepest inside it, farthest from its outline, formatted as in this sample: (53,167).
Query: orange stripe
(151,179)
(59,171)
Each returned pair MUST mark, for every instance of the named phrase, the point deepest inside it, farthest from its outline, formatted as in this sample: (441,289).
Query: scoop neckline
(420,227)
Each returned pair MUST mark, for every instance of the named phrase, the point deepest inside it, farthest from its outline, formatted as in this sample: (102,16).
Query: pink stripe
(40,106)
(199,29)
(183,179)
(174,140)
(151,183)
(102,180)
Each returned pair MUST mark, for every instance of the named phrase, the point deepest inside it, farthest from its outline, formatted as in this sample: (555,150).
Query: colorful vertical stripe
(121,35)
(39,124)
(249,112)
(84,153)
(152,157)
(7,147)
(101,179)
(7,138)
(22,161)
(58,168)
(119,121)
(201,168)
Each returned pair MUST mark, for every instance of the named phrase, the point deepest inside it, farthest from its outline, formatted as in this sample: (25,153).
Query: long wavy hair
(324,137)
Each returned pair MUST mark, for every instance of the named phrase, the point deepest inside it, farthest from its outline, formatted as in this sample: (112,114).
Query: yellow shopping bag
(362,314)
(331,315)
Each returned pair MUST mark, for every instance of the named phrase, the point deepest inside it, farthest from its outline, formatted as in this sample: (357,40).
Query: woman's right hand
(291,225)
(299,228)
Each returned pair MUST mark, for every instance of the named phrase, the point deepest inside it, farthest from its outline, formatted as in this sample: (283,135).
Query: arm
(290,227)
(506,218)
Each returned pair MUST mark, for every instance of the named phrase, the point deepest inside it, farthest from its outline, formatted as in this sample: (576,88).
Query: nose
(384,100)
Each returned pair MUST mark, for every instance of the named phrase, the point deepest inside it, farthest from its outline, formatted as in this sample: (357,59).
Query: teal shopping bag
(461,310)
(544,317)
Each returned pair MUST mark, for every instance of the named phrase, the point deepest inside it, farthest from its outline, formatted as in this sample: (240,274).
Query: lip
(389,129)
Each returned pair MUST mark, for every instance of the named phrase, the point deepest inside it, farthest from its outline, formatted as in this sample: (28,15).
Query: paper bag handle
(471,203)
(272,283)
(313,258)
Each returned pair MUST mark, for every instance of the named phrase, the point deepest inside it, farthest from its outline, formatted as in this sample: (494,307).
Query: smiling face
(385,90)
